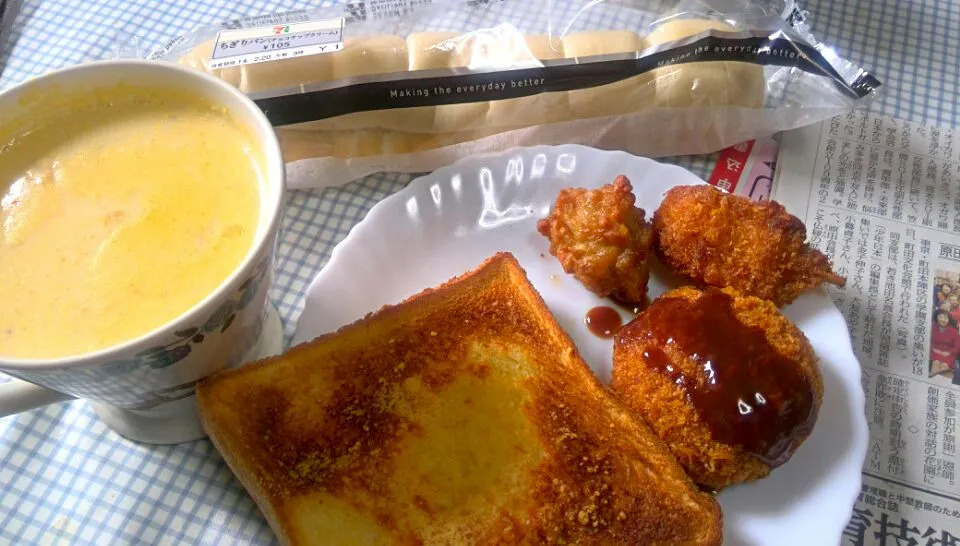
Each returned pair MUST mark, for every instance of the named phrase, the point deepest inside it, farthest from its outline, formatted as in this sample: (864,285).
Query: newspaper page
(747,168)
(881,198)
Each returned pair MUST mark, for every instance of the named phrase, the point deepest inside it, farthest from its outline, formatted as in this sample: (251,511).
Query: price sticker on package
(281,41)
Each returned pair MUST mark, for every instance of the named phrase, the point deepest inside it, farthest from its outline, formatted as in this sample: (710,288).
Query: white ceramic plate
(446,223)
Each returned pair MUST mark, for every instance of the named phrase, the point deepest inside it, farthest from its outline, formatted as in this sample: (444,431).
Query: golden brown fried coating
(602,239)
(720,239)
(463,415)
(730,384)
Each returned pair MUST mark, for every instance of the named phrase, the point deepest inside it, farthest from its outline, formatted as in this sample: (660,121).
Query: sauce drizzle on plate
(603,322)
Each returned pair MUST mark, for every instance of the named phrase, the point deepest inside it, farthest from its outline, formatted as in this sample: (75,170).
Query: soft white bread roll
(435,50)
(545,48)
(600,42)
(370,55)
(286,73)
(727,83)
(407,130)
(501,47)
(426,50)
(489,49)
(362,56)
(629,95)
(298,145)
(199,58)
(533,109)
(386,54)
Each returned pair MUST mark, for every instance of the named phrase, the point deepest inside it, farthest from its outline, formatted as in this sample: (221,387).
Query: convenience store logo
(281,29)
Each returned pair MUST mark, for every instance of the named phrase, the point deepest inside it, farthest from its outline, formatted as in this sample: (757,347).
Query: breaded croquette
(602,239)
(721,240)
(730,384)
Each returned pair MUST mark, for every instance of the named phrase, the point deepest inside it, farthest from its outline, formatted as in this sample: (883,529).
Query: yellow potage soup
(118,214)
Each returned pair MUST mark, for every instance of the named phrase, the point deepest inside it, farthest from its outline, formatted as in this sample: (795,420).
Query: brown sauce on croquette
(745,392)
(603,322)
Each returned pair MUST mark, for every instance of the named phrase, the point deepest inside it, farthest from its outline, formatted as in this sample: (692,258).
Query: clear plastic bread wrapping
(409,85)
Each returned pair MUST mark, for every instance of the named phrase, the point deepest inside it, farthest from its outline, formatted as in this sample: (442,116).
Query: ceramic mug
(143,388)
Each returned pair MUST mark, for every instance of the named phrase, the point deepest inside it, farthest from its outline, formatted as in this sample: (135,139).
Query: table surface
(65,478)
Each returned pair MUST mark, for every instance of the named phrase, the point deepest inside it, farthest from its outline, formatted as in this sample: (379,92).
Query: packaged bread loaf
(435,81)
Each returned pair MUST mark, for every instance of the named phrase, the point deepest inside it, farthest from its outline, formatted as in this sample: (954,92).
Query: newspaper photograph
(881,198)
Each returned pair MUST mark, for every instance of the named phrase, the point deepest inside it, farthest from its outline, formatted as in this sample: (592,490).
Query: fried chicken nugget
(730,384)
(720,239)
(602,239)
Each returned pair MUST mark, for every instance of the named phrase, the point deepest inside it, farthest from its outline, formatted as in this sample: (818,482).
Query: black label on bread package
(462,85)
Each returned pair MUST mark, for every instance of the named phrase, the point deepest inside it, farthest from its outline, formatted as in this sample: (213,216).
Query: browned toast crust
(462,415)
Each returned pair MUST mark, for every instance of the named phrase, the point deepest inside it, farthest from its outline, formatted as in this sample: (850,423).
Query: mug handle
(17,396)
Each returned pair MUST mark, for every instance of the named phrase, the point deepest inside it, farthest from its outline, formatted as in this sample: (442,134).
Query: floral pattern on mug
(163,356)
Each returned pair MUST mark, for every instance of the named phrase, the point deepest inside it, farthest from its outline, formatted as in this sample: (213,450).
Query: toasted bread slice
(463,415)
